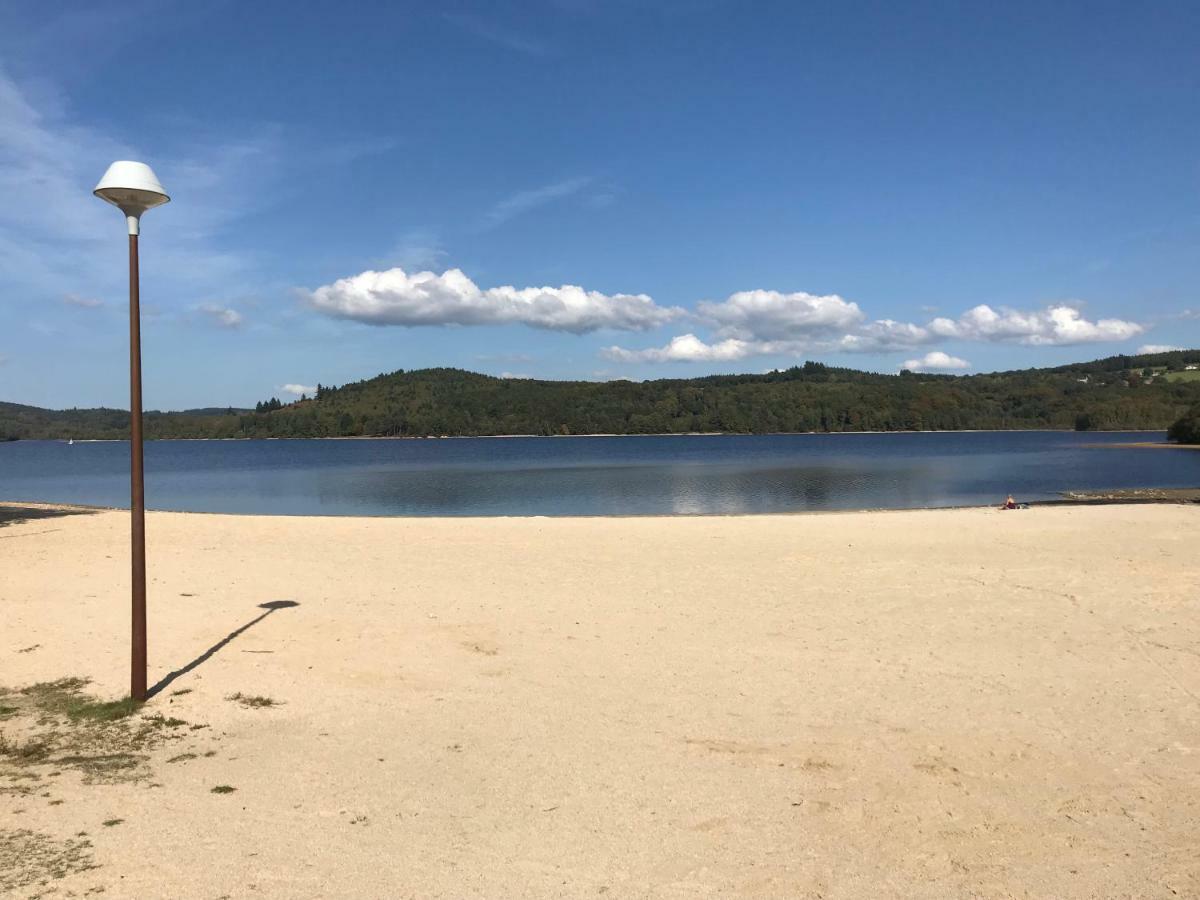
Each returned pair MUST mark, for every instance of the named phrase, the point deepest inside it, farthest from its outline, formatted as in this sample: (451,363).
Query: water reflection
(591,476)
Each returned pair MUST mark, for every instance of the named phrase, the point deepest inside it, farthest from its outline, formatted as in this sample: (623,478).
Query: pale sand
(967,703)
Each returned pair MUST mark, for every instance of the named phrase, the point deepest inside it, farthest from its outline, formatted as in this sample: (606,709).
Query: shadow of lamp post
(133,188)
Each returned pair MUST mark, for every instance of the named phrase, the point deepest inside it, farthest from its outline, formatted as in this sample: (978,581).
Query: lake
(601,476)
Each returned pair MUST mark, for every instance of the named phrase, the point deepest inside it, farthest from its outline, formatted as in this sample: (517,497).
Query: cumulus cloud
(395,297)
(876,336)
(770,316)
(688,348)
(756,323)
(222,316)
(774,316)
(297,390)
(935,360)
(883,335)
(1056,325)
(1157,348)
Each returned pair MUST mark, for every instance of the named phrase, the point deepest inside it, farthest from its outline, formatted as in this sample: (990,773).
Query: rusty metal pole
(133,188)
(137,486)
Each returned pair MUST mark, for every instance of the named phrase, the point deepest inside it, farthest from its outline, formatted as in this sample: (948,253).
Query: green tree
(1187,429)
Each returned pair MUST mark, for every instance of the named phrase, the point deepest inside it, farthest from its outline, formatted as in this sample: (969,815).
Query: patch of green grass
(181,692)
(1193,375)
(66,697)
(101,710)
(109,823)
(223,789)
(6,711)
(61,725)
(251,701)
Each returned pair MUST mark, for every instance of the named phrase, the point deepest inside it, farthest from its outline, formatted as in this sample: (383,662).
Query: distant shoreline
(1148,445)
(672,434)
(1116,497)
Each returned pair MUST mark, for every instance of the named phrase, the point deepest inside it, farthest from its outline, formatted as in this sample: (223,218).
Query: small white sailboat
(70,441)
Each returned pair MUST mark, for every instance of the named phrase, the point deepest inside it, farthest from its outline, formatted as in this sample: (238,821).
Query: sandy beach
(927,704)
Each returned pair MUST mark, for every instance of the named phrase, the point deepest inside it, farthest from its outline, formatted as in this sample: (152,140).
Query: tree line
(1121,392)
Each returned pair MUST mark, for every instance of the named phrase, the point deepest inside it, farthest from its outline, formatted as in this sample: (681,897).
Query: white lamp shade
(132,186)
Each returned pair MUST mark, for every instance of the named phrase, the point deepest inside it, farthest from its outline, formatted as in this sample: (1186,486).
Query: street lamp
(133,188)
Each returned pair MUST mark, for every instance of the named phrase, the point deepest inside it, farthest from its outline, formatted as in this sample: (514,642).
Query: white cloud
(757,323)
(425,298)
(81,301)
(222,316)
(774,316)
(884,335)
(298,389)
(607,375)
(812,320)
(517,375)
(1157,348)
(935,360)
(1056,325)
(689,348)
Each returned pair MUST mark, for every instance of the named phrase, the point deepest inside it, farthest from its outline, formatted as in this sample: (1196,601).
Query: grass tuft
(252,701)
(223,789)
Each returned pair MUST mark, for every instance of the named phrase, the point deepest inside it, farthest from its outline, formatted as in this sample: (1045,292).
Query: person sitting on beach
(1010,503)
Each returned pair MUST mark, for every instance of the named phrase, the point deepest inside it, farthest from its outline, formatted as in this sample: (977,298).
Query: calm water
(591,476)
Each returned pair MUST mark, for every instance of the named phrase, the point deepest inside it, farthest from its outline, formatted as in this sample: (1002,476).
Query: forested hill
(1121,392)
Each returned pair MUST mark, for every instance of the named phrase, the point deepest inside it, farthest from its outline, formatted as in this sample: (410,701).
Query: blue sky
(587,189)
